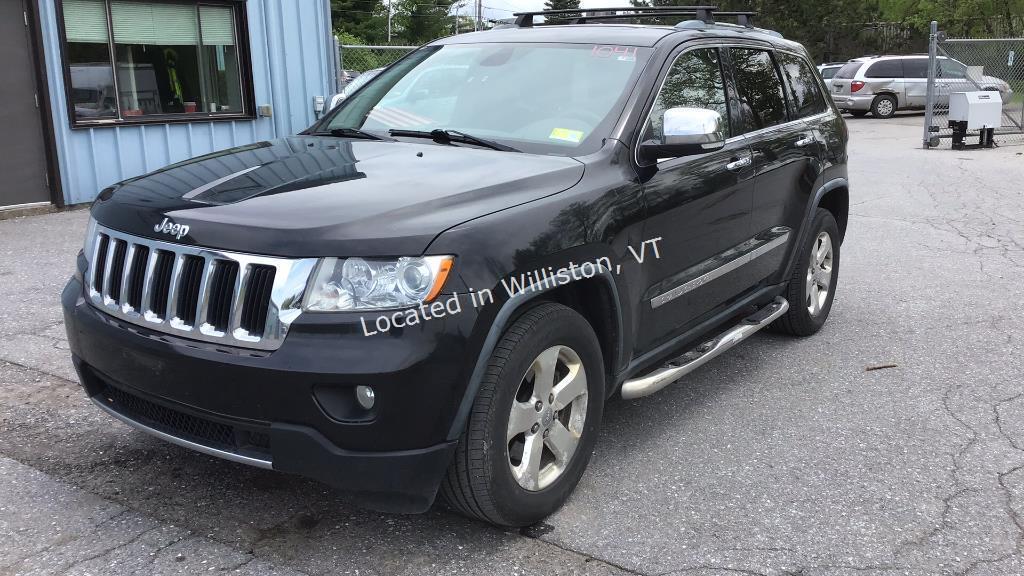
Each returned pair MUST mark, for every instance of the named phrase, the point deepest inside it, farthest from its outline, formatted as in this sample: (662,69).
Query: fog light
(365,396)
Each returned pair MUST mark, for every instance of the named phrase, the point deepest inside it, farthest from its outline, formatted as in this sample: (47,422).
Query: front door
(699,206)
(22,149)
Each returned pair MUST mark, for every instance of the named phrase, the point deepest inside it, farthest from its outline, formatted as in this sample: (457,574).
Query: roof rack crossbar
(525,19)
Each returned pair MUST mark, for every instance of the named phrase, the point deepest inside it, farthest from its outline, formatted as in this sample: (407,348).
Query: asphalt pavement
(784,456)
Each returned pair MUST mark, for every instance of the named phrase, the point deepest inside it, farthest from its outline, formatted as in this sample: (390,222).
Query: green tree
(561,4)
(419,21)
(363,19)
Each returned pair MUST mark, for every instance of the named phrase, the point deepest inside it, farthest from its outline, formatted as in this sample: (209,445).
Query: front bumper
(853,101)
(286,410)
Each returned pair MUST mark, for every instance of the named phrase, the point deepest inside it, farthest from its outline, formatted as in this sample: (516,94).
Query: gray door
(22,149)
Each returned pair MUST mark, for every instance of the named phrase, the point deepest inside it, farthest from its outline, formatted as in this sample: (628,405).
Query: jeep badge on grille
(179,231)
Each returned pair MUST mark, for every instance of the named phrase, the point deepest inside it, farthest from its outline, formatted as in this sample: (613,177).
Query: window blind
(218,25)
(154,23)
(85,21)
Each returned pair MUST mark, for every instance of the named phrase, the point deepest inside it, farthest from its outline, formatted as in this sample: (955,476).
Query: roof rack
(704,14)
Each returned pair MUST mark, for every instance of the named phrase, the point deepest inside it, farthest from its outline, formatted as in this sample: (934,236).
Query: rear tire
(884,106)
(812,284)
(515,414)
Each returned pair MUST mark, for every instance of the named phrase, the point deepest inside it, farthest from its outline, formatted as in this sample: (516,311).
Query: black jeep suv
(436,287)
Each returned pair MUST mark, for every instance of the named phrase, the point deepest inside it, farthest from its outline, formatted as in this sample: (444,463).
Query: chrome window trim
(285,305)
(774,238)
(210,451)
(785,125)
(828,113)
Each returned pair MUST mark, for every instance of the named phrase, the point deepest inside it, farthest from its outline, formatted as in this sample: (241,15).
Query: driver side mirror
(686,131)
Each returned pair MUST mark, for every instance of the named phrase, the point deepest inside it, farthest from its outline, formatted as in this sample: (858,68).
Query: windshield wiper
(442,136)
(350,133)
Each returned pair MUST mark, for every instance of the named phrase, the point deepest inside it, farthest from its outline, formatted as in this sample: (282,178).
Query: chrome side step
(683,365)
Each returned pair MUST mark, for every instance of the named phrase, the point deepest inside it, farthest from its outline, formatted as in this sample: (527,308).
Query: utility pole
(389,21)
(479,14)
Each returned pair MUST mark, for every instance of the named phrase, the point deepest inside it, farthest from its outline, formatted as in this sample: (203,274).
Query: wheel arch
(837,201)
(595,298)
(887,92)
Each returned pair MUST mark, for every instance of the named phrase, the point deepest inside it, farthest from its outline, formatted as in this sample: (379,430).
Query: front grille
(251,442)
(223,297)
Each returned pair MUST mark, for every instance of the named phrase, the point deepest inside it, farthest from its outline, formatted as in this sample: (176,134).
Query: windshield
(541,98)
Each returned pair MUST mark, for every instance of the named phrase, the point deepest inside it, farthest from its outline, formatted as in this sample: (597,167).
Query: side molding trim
(724,263)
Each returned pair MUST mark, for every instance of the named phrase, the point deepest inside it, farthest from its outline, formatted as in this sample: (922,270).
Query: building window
(135,61)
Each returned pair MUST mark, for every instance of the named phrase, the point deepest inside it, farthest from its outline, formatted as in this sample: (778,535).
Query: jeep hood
(310,196)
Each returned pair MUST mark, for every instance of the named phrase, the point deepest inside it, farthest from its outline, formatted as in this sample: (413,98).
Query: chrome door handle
(737,164)
(806,141)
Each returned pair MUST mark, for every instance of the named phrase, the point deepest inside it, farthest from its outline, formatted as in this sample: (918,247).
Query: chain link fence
(973,64)
(362,58)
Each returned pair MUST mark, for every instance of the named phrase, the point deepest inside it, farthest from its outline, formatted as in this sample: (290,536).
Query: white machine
(982,110)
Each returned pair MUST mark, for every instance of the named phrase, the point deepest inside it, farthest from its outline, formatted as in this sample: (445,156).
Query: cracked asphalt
(785,456)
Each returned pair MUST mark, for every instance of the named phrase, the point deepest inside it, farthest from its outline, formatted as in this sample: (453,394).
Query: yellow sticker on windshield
(574,136)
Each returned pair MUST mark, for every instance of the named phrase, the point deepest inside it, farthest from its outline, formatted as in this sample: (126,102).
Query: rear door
(915,81)
(698,205)
(22,150)
(784,149)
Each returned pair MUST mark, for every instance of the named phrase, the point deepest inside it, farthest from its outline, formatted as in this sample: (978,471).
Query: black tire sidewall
(823,222)
(513,503)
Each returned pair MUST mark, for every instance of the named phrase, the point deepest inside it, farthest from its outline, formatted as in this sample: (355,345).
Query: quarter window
(694,81)
(801,85)
(761,102)
(951,69)
(886,69)
(129,60)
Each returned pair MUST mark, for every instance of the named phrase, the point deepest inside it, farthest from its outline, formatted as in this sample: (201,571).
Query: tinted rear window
(827,73)
(760,89)
(805,97)
(849,70)
(885,69)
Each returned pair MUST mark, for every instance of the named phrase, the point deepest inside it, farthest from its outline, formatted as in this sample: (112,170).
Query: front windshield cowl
(559,99)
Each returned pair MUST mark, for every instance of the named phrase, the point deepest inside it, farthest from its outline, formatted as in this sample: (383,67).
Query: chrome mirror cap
(689,126)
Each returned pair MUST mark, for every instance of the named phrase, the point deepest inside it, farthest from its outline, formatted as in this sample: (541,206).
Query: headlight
(370,284)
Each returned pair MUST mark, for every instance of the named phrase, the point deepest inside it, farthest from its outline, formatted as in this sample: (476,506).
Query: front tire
(534,420)
(884,106)
(812,284)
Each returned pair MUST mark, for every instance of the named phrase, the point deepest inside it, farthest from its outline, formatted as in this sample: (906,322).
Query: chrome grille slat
(172,292)
(107,269)
(120,278)
(147,284)
(126,273)
(203,302)
(238,299)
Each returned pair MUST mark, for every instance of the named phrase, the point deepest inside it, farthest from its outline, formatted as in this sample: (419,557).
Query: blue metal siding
(291,63)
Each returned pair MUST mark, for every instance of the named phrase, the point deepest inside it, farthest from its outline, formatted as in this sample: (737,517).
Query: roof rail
(582,15)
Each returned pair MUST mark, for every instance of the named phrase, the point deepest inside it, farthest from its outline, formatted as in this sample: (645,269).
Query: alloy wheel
(547,417)
(884,107)
(819,273)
